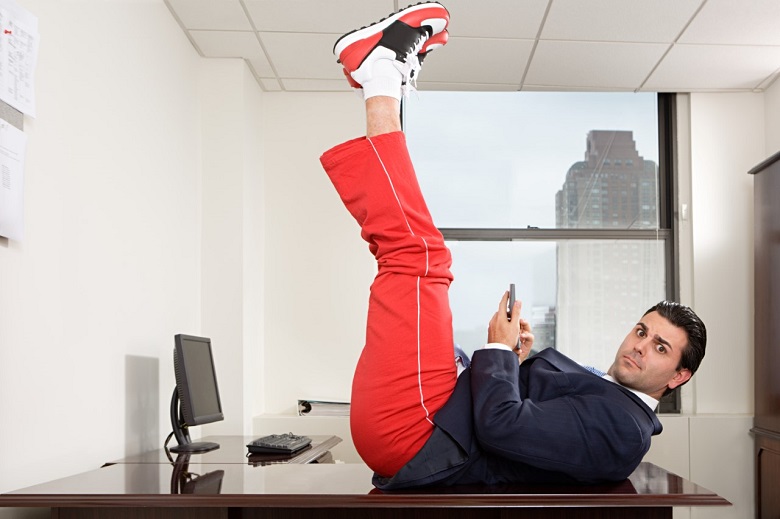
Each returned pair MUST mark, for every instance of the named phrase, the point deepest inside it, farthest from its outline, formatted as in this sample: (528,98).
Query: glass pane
(581,297)
(538,159)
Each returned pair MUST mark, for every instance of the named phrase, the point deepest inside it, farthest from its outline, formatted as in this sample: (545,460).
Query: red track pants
(406,370)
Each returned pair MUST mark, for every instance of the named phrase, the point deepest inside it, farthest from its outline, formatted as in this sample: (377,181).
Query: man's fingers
(504,302)
(516,311)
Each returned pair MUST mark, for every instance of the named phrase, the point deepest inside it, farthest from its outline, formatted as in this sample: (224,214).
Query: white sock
(385,80)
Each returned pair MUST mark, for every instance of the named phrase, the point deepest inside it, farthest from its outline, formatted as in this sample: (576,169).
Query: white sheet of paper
(19,41)
(13,143)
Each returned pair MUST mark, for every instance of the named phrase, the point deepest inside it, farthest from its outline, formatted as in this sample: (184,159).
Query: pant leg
(406,370)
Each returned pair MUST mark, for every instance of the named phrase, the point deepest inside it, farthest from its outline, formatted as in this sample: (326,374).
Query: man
(507,418)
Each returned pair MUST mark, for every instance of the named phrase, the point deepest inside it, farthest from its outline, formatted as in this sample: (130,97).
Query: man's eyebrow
(656,337)
(663,341)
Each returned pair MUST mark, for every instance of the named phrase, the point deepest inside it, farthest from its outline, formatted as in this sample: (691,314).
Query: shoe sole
(414,16)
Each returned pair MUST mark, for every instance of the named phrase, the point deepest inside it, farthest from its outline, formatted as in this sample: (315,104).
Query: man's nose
(641,346)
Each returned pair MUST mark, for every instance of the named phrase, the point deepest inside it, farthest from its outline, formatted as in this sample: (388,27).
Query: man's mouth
(631,360)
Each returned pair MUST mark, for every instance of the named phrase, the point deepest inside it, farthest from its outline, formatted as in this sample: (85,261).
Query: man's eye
(661,348)
(640,332)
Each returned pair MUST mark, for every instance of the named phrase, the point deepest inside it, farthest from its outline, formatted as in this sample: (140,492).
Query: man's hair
(685,318)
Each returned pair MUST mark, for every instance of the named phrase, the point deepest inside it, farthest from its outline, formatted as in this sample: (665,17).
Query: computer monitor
(195,399)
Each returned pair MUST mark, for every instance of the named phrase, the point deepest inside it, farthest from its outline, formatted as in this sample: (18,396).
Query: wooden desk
(343,491)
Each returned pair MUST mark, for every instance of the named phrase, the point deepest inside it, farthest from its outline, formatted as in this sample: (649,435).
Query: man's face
(648,358)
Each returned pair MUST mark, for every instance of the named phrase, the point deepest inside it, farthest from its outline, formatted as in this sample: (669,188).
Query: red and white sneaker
(397,39)
(434,42)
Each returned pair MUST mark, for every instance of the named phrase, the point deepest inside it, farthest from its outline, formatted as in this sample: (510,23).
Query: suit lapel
(566,365)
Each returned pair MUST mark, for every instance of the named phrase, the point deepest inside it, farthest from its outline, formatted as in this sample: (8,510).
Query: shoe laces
(411,72)
(411,67)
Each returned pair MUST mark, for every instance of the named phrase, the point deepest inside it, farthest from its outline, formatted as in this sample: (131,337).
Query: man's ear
(680,377)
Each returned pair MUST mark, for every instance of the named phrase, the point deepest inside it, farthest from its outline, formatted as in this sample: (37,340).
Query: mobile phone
(511,301)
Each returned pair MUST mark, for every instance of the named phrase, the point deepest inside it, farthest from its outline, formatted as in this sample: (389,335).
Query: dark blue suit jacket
(548,420)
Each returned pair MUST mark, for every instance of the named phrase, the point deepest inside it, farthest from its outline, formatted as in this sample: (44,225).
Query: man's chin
(623,377)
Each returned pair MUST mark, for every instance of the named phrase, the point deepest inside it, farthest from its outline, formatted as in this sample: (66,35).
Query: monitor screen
(195,399)
(196,380)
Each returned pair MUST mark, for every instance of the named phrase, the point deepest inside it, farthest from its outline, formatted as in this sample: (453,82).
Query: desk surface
(333,486)
(232,449)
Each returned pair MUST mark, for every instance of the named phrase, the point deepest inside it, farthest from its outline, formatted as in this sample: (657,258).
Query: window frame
(666,232)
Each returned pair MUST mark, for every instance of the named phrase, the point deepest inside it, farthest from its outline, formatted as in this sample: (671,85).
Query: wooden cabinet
(766,425)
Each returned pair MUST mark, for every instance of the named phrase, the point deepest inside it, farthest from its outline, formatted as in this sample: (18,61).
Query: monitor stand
(182,434)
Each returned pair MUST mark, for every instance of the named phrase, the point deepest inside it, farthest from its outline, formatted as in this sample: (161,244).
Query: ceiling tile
(495,18)
(296,55)
(323,16)
(478,60)
(712,67)
(224,15)
(754,22)
(227,44)
(618,20)
(593,64)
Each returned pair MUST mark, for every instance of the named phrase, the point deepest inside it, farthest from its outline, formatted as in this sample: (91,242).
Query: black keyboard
(278,443)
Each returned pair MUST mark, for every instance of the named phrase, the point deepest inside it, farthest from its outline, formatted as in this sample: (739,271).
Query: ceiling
(507,45)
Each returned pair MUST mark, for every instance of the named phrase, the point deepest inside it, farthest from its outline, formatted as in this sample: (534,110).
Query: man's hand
(514,332)
(526,341)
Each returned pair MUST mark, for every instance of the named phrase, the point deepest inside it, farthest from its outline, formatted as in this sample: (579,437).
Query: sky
(496,159)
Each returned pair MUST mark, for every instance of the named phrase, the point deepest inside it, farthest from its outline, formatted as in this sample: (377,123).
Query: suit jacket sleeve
(577,424)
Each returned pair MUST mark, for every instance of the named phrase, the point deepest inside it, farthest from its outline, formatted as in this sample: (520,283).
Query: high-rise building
(543,323)
(604,285)
(614,187)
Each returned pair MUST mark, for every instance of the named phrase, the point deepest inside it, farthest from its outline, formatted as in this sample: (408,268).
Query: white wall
(727,136)
(233,234)
(109,267)
(772,118)
(125,216)
(727,141)
(318,270)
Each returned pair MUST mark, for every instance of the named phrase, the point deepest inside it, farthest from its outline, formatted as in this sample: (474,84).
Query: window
(567,195)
